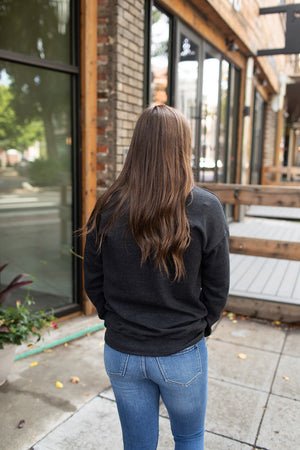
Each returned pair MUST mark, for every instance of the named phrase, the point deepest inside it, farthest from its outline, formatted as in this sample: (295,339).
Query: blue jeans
(139,381)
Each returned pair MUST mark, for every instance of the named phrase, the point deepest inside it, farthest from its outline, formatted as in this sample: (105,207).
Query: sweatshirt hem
(155,347)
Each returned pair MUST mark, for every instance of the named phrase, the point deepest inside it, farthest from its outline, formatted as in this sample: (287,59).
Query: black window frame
(74,71)
(147,53)
(177,25)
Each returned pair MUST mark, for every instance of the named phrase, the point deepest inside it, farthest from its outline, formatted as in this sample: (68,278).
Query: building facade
(75,75)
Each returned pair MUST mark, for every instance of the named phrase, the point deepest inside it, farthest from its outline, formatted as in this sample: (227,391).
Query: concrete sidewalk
(254,392)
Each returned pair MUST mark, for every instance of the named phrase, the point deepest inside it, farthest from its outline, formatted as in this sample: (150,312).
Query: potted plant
(18,324)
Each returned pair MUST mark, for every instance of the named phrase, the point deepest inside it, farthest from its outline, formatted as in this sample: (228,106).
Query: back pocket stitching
(123,367)
(166,379)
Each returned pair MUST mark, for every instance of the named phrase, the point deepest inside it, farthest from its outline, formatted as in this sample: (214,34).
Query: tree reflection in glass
(159,56)
(187,90)
(39,28)
(209,125)
(35,179)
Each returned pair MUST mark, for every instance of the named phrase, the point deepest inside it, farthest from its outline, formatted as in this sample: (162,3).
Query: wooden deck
(262,278)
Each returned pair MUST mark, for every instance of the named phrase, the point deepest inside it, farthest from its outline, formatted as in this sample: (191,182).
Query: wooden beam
(291,170)
(88,114)
(239,194)
(265,247)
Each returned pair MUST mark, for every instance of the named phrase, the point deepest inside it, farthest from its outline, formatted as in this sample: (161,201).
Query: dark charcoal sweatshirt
(145,312)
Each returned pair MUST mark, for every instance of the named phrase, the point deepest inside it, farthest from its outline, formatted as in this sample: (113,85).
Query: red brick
(101,167)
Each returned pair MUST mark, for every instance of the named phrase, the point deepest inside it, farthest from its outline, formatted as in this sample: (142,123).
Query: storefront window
(209,126)
(160,32)
(257,139)
(223,131)
(39,28)
(38,161)
(233,124)
(204,86)
(187,90)
(35,180)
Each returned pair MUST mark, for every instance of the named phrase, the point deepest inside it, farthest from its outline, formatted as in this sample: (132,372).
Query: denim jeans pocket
(181,368)
(115,362)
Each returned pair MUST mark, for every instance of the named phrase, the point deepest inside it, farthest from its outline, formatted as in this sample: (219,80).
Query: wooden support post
(248,109)
(89,114)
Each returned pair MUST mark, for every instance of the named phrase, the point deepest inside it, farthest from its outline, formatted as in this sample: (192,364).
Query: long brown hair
(153,187)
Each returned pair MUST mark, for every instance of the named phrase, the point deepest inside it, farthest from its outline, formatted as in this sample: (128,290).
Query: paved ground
(254,392)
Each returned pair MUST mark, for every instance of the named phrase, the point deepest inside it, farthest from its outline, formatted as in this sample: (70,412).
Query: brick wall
(120,82)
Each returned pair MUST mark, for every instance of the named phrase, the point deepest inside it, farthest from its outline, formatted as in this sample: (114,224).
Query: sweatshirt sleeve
(215,281)
(93,274)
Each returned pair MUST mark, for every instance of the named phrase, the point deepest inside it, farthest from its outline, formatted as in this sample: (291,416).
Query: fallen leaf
(48,350)
(74,379)
(231,316)
(101,344)
(285,378)
(66,344)
(59,385)
(234,321)
(276,322)
(34,364)
(21,424)
(86,393)
(242,356)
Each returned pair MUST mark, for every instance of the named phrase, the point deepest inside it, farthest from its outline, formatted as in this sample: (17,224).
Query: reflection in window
(233,123)
(188,86)
(221,157)
(39,28)
(257,139)
(210,94)
(35,180)
(159,56)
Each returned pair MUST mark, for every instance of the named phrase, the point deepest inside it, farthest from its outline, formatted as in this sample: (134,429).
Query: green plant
(45,172)
(20,324)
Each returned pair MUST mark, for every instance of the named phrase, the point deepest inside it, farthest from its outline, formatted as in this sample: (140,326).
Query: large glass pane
(187,88)
(35,181)
(223,135)
(159,56)
(39,28)
(233,124)
(257,139)
(209,124)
